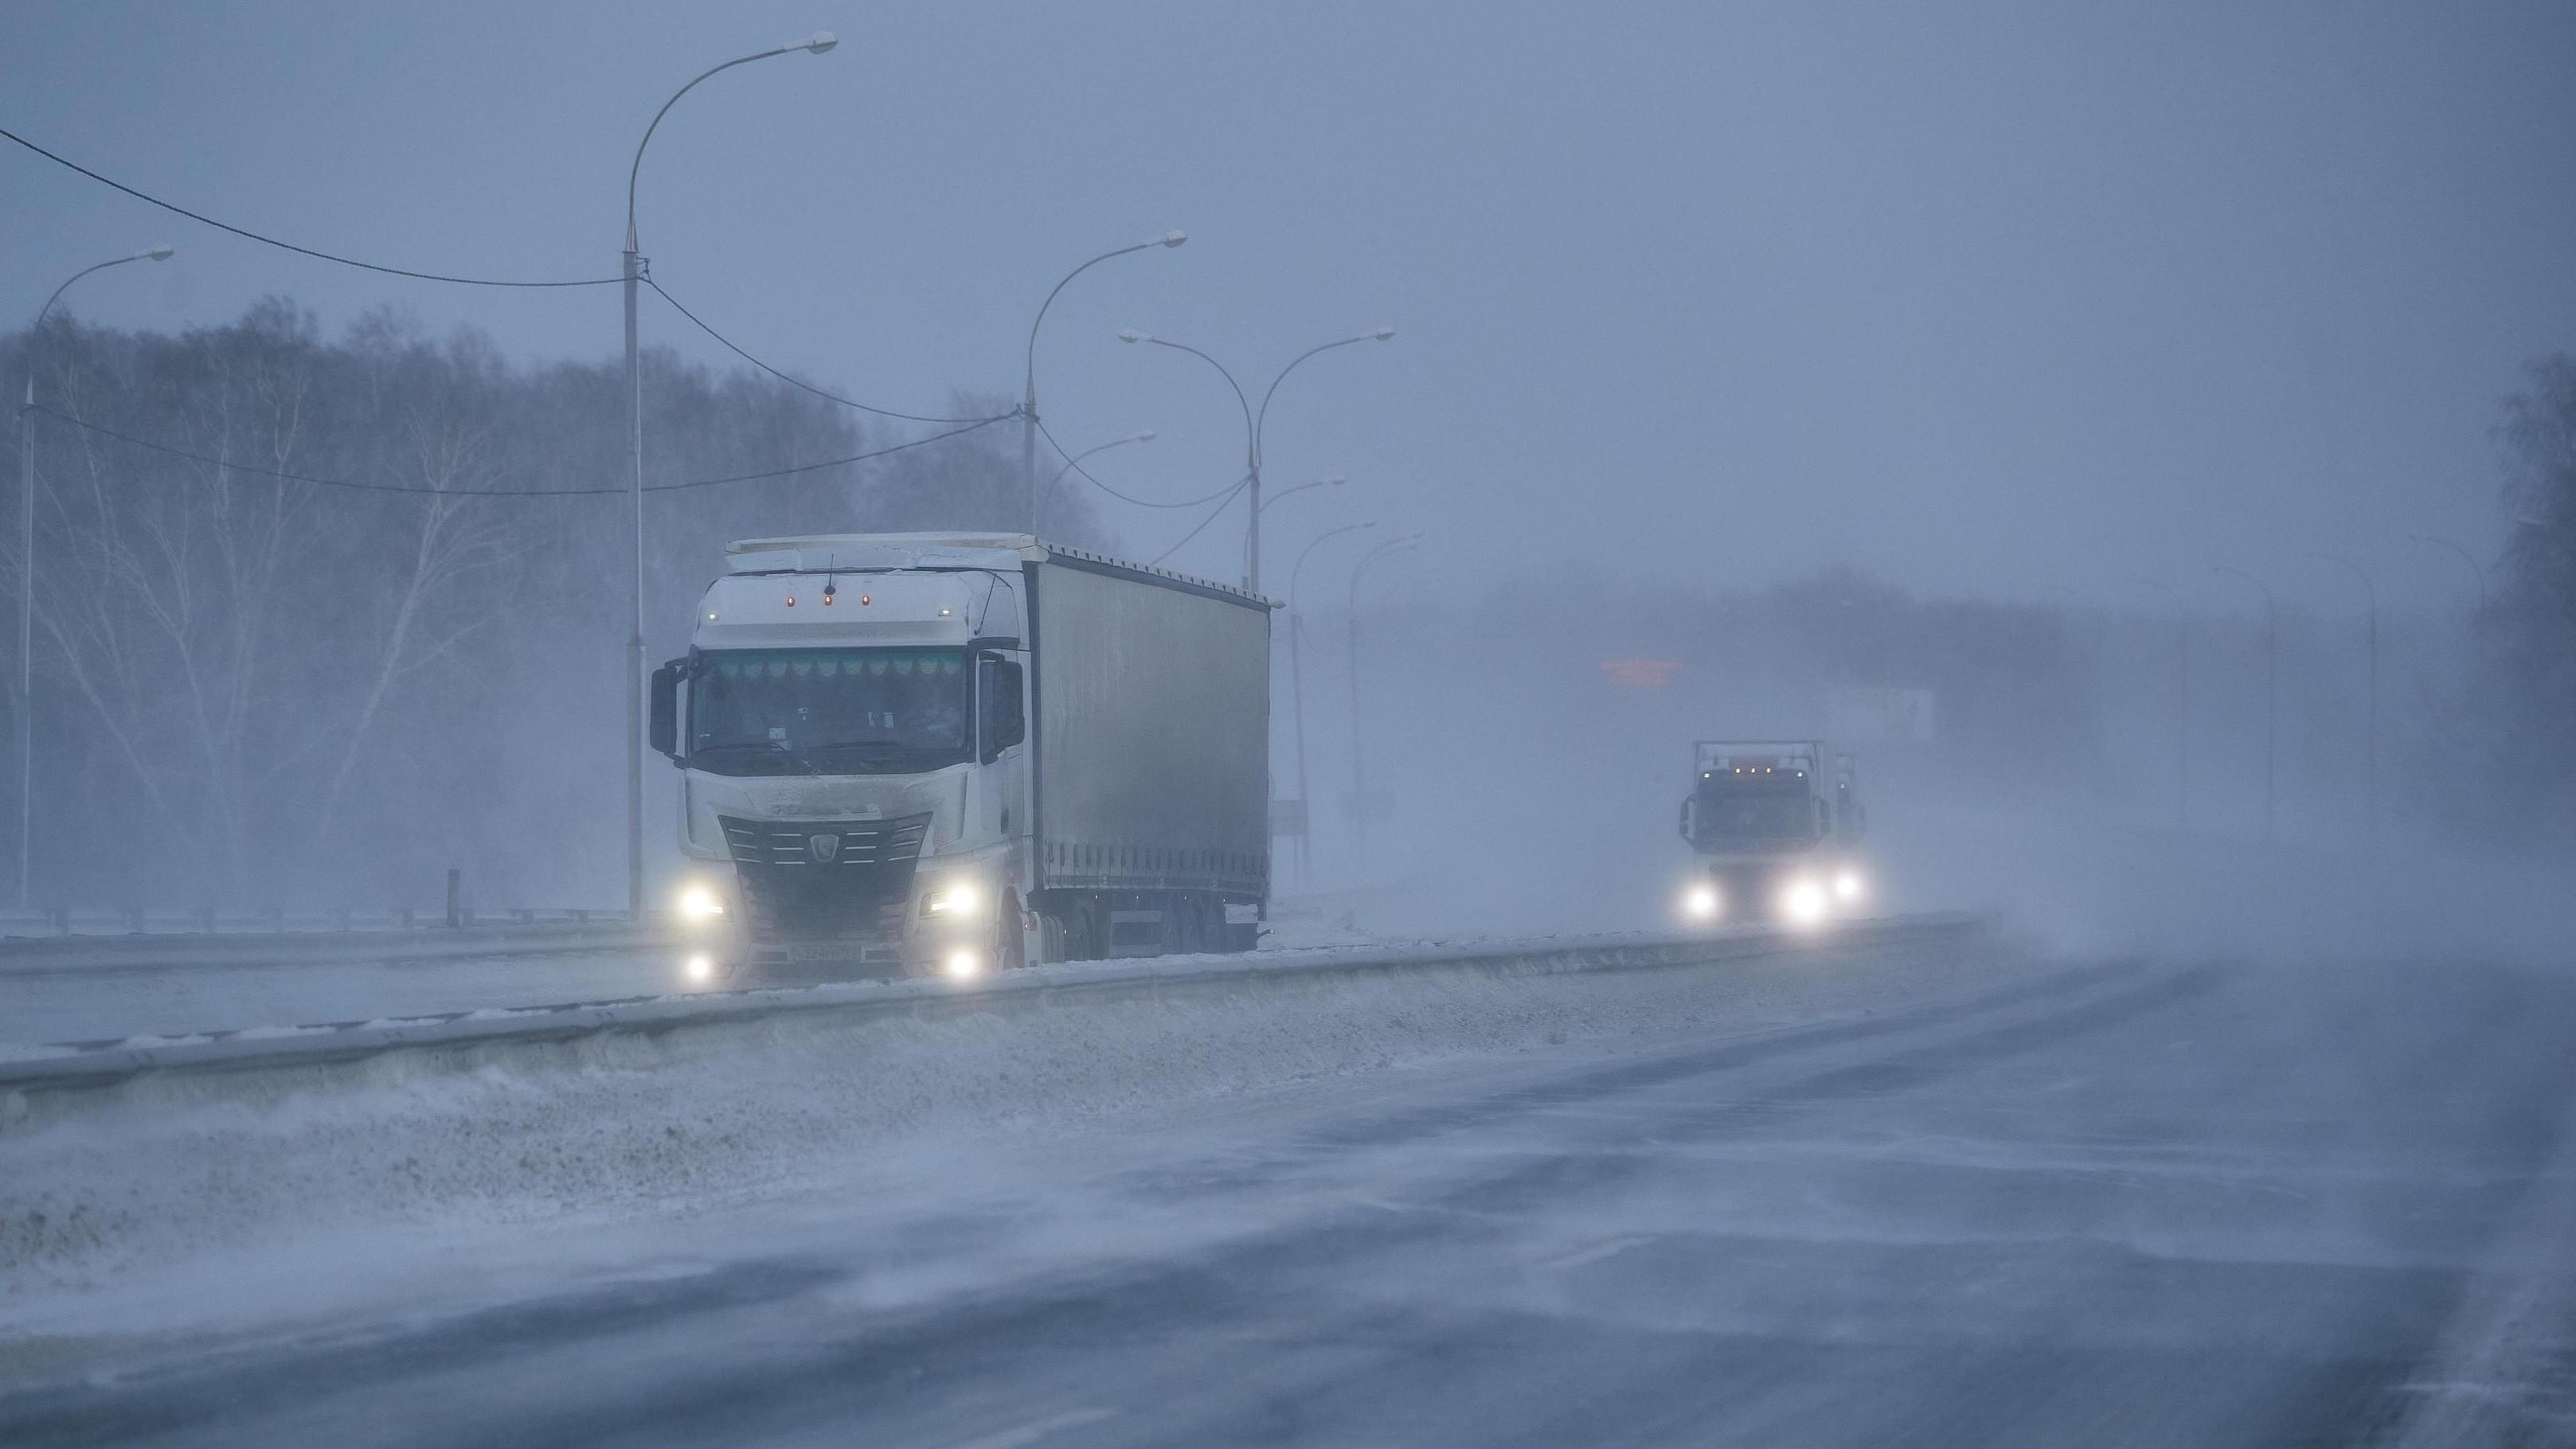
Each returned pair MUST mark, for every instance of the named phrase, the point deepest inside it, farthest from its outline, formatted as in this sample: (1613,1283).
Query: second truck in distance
(1777,825)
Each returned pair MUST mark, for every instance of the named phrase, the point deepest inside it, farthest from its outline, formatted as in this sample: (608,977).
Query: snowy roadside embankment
(56,1066)
(167,1171)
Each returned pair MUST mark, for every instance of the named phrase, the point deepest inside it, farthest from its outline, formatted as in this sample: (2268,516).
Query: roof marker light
(791,601)
(864,601)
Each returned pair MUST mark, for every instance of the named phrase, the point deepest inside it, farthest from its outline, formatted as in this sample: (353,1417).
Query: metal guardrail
(184,951)
(59,923)
(94,1064)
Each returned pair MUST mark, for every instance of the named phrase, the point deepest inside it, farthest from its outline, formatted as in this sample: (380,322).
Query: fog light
(964,965)
(1803,902)
(1847,886)
(700,967)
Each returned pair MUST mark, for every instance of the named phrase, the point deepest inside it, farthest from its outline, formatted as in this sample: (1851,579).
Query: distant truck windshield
(1730,813)
(829,711)
(1756,797)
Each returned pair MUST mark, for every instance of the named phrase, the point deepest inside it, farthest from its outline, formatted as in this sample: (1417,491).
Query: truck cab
(1777,826)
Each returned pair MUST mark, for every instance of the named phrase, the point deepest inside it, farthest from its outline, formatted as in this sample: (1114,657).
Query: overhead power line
(89,427)
(249,235)
(1075,463)
(795,382)
(1213,515)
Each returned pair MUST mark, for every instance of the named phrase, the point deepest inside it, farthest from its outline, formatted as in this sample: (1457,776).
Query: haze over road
(1902,1200)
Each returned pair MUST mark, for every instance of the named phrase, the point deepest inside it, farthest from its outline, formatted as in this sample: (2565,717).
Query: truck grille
(829,844)
(825,879)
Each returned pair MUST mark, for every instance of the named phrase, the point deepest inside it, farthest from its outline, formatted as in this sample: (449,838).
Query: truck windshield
(829,711)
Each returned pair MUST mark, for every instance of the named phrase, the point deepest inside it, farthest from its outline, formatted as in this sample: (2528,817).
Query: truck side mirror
(1001,723)
(1687,813)
(666,708)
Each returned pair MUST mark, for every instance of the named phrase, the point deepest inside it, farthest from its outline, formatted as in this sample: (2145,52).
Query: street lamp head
(1383,333)
(1132,335)
(1172,238)
(1334,480)
(1146,436)
(816,43)
(161,253)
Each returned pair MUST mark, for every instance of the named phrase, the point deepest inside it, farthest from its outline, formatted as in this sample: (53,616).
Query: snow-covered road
(1906,1195)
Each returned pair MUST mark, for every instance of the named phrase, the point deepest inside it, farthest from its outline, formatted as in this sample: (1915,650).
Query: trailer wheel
(1082,933)
(1054,942)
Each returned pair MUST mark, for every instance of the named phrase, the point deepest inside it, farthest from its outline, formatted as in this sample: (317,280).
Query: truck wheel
(1053,939)
(1082,934)
(1015,936)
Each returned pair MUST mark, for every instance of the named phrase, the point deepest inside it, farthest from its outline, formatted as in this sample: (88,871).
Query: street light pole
(1297,692)
(2271,688)
(27,572)
(1029,378)
(1252,573)
(1252,423)
(632,271)
(2182,699)
(1359,747)
(2370,595)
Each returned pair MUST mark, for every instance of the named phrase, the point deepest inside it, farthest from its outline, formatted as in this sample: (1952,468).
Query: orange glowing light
(1641,673)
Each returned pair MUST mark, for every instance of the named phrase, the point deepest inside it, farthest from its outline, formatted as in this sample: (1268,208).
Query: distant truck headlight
(957,898)
(1701,903)
(700,903)
(1803,901)
(1848,886)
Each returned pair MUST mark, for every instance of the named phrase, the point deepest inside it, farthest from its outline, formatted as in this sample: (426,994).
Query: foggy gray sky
(2006,298)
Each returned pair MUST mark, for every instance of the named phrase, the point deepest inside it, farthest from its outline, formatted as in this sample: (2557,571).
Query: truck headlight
(1804,901)
(1848,886)
(700,903)
(1700,903)
(957,898)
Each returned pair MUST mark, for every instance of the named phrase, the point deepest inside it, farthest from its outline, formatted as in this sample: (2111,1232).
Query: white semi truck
(1777,826)
(917,754)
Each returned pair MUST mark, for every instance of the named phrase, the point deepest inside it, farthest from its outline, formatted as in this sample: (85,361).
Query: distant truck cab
(1777,825)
